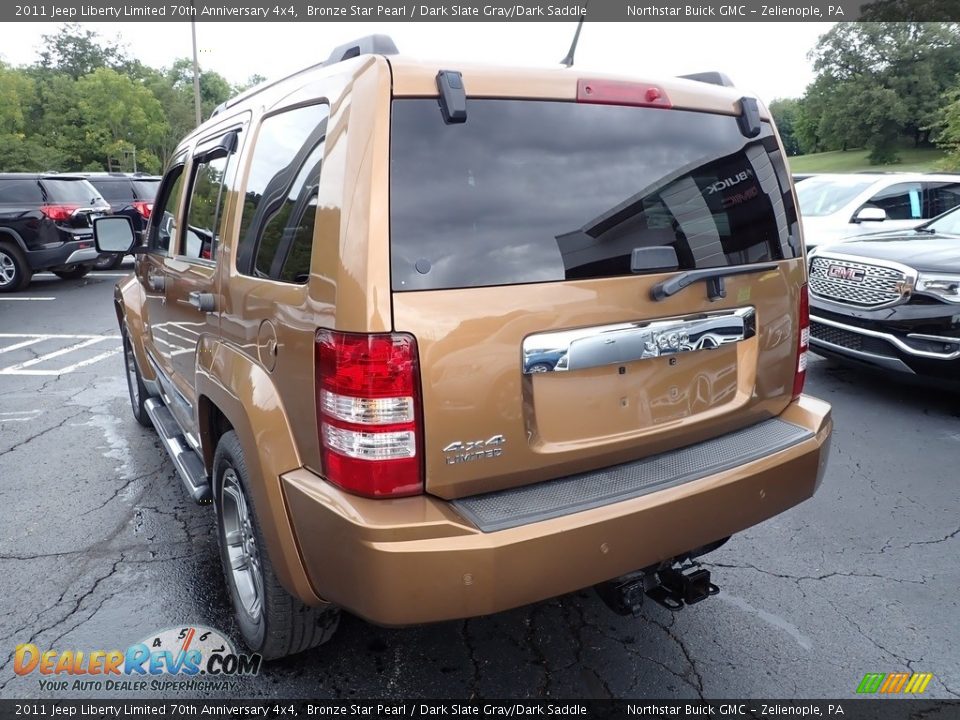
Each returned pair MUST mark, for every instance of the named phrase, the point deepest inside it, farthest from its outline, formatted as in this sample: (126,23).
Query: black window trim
(322,100)
(199,149)
(179,161)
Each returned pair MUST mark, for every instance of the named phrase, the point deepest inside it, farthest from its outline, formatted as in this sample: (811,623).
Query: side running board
(187,462)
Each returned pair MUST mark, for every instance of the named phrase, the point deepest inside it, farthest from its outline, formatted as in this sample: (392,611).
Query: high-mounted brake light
(368,412)
(144,207)
(803,342)
(59,213)
(614,92)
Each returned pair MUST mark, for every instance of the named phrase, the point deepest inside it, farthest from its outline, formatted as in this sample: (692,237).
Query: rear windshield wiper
(712,276)
(928,231)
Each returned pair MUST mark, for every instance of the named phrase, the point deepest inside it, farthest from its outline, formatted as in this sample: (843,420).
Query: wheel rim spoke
(240,545)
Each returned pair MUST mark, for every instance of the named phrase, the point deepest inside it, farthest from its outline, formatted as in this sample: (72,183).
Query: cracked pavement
(100,545)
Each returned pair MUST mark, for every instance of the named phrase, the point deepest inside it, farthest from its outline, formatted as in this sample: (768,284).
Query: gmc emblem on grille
(842,272)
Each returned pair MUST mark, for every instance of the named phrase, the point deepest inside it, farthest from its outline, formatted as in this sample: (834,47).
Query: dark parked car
(46,223)
(130,195)
(892,300)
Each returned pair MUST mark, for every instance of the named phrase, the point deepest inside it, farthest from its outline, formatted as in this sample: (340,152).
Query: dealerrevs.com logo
(187,658)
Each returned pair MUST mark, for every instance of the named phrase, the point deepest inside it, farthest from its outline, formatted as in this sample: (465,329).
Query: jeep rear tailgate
(542,352)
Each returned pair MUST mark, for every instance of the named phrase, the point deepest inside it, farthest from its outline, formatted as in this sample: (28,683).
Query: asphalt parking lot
(99,546)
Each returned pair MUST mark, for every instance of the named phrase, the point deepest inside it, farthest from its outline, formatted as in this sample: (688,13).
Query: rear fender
(243,391)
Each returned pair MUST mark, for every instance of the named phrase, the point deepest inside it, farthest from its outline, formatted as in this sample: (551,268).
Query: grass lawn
(912,159)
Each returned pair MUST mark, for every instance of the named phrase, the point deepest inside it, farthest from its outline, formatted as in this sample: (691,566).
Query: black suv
(891,300)
(130,195)
(46,223)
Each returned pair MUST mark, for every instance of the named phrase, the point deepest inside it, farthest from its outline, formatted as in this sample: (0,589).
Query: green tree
(786,112)
(878,82)
(214,88)
(78,51)
(120,116)
(948,123)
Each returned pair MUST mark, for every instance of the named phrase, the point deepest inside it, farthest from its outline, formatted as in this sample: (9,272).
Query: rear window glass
(71,191)
(114,190)
(146,189)
(20,190)
(539,191)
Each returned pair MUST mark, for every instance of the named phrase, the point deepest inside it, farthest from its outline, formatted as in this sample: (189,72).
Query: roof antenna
(568,60)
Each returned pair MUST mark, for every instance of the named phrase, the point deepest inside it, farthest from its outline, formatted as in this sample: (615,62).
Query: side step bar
(187,462)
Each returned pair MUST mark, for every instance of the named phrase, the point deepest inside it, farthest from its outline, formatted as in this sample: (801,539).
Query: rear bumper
(927,346)
(81,250)
(415,560)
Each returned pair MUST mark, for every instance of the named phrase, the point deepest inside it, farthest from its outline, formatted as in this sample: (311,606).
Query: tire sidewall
(139,411)
(21,272)
(230,455)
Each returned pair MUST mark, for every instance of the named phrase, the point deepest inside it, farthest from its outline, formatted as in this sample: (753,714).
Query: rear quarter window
(539,191)
(79,192)
(114,190)
(20,191)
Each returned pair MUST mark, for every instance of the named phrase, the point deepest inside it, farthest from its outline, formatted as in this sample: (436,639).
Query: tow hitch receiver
(671,587)
(682,586)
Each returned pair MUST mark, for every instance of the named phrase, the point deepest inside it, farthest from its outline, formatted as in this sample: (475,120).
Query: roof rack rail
(369,45)
(713,77)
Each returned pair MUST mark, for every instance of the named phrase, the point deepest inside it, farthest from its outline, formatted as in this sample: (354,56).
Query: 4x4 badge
(462,452)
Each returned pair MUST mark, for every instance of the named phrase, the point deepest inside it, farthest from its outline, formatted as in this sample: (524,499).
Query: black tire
(281,625)
(72,272)
(108,261)
(135,386)
(540,367)
(15,273)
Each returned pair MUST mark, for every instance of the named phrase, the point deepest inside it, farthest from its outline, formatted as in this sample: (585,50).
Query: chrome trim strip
(892,339)
(82,255)
(628,342)
(882,361)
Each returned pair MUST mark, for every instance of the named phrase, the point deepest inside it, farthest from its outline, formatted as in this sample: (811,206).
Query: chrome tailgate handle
(619,343)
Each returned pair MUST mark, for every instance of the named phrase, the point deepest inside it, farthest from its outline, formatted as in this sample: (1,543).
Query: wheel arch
(251,408)
(13,235)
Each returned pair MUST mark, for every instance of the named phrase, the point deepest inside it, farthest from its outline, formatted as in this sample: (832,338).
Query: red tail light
(614,92)
(143,207)
(803,342)
(368,412)
(59,213)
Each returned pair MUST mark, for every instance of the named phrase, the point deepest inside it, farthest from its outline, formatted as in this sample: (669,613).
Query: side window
(205,209)
(20,191)
(280,203)
(901,202)
(941,197)
(165,219)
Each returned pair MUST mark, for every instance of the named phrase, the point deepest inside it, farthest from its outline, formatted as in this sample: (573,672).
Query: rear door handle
(157,283)
(204,302)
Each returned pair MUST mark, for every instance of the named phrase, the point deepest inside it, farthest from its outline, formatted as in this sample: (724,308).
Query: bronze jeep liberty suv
(442,341)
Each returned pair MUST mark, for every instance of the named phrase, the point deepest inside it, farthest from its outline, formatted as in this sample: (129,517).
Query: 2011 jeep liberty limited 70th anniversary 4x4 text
(437,342)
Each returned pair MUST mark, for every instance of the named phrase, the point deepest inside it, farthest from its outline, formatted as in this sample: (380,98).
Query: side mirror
(870,214)
(113,234)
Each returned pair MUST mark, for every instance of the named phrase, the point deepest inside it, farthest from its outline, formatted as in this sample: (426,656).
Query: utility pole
(196,65)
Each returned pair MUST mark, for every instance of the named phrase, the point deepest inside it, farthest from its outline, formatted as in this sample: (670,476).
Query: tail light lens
(143,207)
(368,412)
(803,342)
(59,213)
